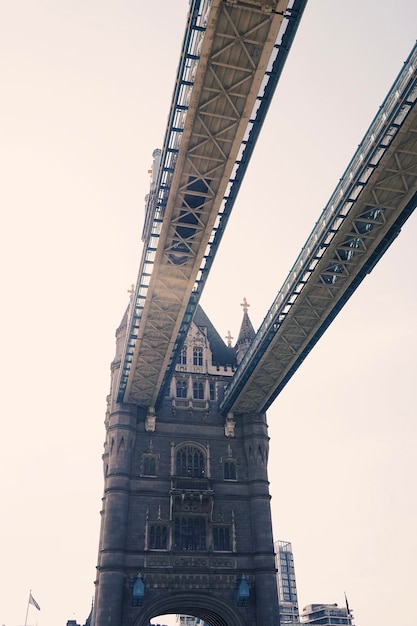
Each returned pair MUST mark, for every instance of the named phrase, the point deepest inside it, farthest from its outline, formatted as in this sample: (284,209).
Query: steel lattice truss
(374,198)
(233,57)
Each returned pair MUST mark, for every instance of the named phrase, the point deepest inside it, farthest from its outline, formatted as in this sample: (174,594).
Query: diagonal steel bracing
(227,57)
(377,193)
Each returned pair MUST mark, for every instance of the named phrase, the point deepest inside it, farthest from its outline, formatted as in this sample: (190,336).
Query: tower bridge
(186,523)
(196,187)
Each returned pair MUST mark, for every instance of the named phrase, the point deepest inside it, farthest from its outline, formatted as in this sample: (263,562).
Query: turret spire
(246,333)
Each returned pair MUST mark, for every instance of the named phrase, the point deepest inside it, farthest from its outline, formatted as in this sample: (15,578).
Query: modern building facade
(326,614)
(187,620)
(287,587)
(186,522)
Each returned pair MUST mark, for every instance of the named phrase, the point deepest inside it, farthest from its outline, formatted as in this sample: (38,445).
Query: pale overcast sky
(86,88)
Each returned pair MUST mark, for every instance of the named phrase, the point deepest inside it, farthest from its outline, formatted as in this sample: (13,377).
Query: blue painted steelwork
(385,126)
(157,202)
(138,592)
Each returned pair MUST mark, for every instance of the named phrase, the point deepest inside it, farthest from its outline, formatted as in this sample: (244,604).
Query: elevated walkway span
(232,56)
(374,198)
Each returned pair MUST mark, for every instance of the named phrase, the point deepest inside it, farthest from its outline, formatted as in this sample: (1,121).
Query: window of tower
(190,533)
(183,357)
(158,537)
(221,538)
(181,389)
(198,391)
(191,462)
(229,470)
(149,465)
(198,355)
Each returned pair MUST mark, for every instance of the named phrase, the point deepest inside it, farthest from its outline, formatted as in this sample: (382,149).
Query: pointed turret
(246,333)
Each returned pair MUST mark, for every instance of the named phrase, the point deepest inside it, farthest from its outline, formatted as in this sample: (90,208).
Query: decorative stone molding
(191,581)
(150,421)
(173,561)
(229,426)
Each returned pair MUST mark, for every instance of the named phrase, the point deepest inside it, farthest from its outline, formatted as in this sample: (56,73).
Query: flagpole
(347,608)
(27,608)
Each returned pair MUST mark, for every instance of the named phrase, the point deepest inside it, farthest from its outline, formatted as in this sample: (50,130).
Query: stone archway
(213,611)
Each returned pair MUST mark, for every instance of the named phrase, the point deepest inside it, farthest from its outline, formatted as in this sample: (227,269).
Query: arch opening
(212,611)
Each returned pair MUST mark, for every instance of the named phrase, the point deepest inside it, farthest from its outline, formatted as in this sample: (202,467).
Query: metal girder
(226,56)
(377,193)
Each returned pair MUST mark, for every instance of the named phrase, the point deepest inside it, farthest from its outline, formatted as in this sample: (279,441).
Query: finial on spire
(245,305)
(246,333)
(229,339)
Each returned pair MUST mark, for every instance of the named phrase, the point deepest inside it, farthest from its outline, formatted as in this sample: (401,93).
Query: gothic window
(221,538)
(198,355)
(158,537)
(190,461)
(212,392)
(190,533)
(198,391)
(181,389)
(149,466)
(183,357)
(229,470)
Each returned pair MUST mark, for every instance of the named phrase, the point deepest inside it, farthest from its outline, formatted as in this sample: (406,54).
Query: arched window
(229,470)
(149,466)
(190,461)
(183,357)
(221,538)
(198,391)
(212,391)
(158,537)
(198,355)
(181,389)
(190,533)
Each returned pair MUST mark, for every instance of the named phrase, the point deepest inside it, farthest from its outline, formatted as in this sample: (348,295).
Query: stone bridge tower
(186,522)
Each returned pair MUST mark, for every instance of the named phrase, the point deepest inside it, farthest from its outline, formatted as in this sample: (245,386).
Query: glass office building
(326,614)
(187,620)
(287,588)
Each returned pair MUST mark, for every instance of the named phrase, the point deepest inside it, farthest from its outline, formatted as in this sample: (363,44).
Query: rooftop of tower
(222,354)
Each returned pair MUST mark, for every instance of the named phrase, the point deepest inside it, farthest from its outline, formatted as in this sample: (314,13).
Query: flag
(33,601)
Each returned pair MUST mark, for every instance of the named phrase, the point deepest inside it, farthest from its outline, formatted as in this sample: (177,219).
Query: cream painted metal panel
(234,57)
